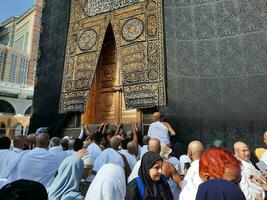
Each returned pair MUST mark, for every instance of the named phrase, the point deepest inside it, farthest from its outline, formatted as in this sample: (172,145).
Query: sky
(9,8)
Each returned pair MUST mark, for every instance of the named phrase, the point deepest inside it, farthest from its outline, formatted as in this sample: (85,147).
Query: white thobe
(249,188)
(109,155)
(58,152)
(159,131)
(94,150)
(130,158)
(38,165)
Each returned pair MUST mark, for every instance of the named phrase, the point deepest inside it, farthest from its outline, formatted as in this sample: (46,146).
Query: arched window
(6,108)
(28,111)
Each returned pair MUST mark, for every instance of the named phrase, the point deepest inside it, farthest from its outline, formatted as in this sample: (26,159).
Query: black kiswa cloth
(153,190)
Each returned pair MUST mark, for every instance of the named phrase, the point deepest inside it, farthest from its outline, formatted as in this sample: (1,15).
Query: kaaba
(201,63)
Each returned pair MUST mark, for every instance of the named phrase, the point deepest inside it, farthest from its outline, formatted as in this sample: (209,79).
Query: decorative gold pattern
(138,31)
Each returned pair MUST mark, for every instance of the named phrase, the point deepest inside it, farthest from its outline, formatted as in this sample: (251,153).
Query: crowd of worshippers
(111,164)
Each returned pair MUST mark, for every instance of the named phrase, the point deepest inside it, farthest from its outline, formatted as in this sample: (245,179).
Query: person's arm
(81,153)
(177,178)
(118,129)
(100,128)
(172,132)
(135,137)
(105,127)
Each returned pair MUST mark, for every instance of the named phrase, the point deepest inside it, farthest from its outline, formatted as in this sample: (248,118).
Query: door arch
(106,100)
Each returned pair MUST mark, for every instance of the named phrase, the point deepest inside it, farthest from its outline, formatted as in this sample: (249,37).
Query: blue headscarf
(219,189)
(66,184)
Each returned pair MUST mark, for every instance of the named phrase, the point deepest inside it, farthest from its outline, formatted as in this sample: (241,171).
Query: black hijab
(153,190)
(23,190)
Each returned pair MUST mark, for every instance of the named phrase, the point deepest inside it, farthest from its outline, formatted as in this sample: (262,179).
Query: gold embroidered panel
(138,31)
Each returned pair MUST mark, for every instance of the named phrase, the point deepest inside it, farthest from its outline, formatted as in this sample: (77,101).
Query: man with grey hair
(56,149)
(250,189)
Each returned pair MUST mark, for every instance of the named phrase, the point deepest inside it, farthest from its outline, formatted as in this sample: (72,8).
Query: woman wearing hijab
(150,184)
(219,189)
(66,184)
(108,184)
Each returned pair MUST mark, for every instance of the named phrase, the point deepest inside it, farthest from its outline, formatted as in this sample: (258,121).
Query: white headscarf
(109,155)
(109,184)
(66,184)
(94,150)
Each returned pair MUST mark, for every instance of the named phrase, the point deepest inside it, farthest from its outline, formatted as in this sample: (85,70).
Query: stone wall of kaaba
(216,68)
(216,54)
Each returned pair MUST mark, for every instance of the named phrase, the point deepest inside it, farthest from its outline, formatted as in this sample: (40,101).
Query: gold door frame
(138,31)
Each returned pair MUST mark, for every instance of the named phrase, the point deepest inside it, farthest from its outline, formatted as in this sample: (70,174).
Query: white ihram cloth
(58,152)
(108,184)
(38,165)
(192,171)
(109,155)
(94,150)
(130,158)
(159,131)
(143,149)
(6,157)
(250,189)
(189,191)
(134,172)
(184,159)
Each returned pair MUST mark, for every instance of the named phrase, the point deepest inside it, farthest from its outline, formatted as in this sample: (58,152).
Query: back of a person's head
(125,142)
(195,149)
(215,160)
(54,142)
(129,134)
(42,140)
(5,143)
(154,145)
(65,144)
(218,143)
(115,142)
(131,147)
(145,140)
(78,144)
(110,132)
(98,137)
(23,190)
(19,142)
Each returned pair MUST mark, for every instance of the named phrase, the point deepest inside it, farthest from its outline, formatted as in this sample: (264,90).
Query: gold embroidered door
(106,100)
(94,77)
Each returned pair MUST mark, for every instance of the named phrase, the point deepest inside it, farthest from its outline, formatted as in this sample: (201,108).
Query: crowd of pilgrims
(115,165)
